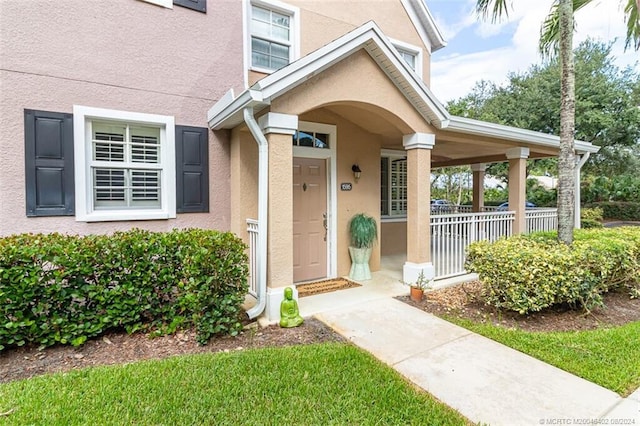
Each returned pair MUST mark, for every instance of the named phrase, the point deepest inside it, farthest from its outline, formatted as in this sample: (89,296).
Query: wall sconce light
(356,172)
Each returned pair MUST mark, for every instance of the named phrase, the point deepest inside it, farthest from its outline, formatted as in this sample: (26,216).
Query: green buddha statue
(289,312)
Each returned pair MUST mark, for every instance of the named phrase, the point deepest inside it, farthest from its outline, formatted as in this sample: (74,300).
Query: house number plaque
(345,186)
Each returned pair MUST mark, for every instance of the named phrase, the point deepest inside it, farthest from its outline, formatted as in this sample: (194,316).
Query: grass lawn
(609,357)
(307,385)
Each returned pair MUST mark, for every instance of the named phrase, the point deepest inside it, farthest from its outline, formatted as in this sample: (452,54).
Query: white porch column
(518,185)
(278,129)
(478,186)
(418,146)
(580,160)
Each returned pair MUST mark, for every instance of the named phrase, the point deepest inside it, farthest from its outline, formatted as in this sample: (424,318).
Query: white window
(411,54)
(393,185)
(273,36)
(125,165)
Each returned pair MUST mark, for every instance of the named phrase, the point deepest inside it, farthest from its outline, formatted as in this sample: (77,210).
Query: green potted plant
(416,289)
(363,230)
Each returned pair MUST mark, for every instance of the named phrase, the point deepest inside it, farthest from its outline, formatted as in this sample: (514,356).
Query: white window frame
(294,31)
(411,49)
(392,155)
(164,3)
(83,116)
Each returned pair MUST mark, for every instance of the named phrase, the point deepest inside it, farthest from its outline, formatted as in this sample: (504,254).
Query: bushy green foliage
(527,273)
(64,289)
(619,210)
(591,217)
(363,230)
(615,188)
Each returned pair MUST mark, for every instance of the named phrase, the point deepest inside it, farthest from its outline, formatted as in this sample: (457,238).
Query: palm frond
(494,10)
(550,29)
(632,18)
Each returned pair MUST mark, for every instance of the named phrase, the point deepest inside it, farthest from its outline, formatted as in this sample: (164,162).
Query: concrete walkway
(485,381)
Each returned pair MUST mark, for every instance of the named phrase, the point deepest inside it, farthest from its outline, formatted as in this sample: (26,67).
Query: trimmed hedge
(591,218)
(619,210)
(64,289)
(528,273)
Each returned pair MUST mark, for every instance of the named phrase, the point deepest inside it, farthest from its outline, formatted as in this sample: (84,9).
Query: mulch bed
(325,286)
(464,301)
(121,348)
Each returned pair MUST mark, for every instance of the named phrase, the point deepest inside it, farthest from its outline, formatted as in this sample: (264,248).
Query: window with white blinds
(126,166)
(393,188)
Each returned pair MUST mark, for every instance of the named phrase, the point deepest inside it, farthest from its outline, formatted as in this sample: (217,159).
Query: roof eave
(369,37)
(425,24)
(484,128)
(227,112)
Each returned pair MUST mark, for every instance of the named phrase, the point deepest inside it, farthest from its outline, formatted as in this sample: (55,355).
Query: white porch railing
(252,229)
(542,219)
(451,234)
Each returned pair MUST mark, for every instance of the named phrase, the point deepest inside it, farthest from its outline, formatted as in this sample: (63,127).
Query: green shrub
(528,273)
(619,210)
(591,218)
(64,289)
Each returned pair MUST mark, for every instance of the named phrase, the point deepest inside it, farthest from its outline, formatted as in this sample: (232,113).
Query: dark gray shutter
(192,169)
(199,5)
(49,163)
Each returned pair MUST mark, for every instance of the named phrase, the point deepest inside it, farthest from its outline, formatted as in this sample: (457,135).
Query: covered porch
(298,134)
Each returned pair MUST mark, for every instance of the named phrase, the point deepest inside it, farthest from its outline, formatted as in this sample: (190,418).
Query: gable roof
(227,112)
(425,24)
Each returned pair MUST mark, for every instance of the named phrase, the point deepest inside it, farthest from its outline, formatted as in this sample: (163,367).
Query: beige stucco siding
(322,21)
(123,55)
(393,238)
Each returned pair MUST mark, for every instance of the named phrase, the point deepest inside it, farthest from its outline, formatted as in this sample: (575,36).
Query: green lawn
(305,385)
(609,357)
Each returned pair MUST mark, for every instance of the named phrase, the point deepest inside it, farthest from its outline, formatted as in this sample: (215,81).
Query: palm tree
(557,38)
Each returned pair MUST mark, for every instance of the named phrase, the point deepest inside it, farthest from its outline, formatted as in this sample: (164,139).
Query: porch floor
(385,283)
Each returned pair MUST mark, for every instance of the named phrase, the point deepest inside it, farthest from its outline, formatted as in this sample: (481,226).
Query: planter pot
(360,263)
(416,294)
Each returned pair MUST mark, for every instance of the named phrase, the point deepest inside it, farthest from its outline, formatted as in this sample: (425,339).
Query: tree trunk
(566,159)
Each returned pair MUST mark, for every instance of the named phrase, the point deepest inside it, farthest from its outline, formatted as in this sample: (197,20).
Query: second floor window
(271,37)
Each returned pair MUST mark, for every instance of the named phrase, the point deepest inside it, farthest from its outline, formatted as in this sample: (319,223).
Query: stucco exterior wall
(323,21)
(244,181)
(122,54)
(393,238)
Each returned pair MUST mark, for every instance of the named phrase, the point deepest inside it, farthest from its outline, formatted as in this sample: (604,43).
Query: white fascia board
(484,128)
(425,24)
(298,72)
(220,114)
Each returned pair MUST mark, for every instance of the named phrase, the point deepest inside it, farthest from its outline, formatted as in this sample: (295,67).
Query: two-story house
(166,114)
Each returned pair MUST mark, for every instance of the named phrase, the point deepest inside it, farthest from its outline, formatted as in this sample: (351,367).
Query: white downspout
(576,191)
(263,187)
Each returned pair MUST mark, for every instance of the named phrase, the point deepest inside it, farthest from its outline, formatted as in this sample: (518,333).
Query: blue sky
(480,50)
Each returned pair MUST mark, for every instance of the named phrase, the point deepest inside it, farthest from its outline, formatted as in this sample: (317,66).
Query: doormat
(325,286)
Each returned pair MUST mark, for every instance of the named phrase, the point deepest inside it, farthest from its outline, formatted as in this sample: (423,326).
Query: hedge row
(528,273)
(619,210)
(64,289)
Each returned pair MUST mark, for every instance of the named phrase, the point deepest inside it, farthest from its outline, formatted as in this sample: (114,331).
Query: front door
(309,219)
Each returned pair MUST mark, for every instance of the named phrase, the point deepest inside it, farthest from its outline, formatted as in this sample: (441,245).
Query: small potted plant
(416,289)
(363,230)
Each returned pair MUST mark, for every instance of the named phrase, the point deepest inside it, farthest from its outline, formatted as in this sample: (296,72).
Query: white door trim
(332,186)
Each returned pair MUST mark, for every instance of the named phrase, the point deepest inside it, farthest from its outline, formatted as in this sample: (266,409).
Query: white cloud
(453,75)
